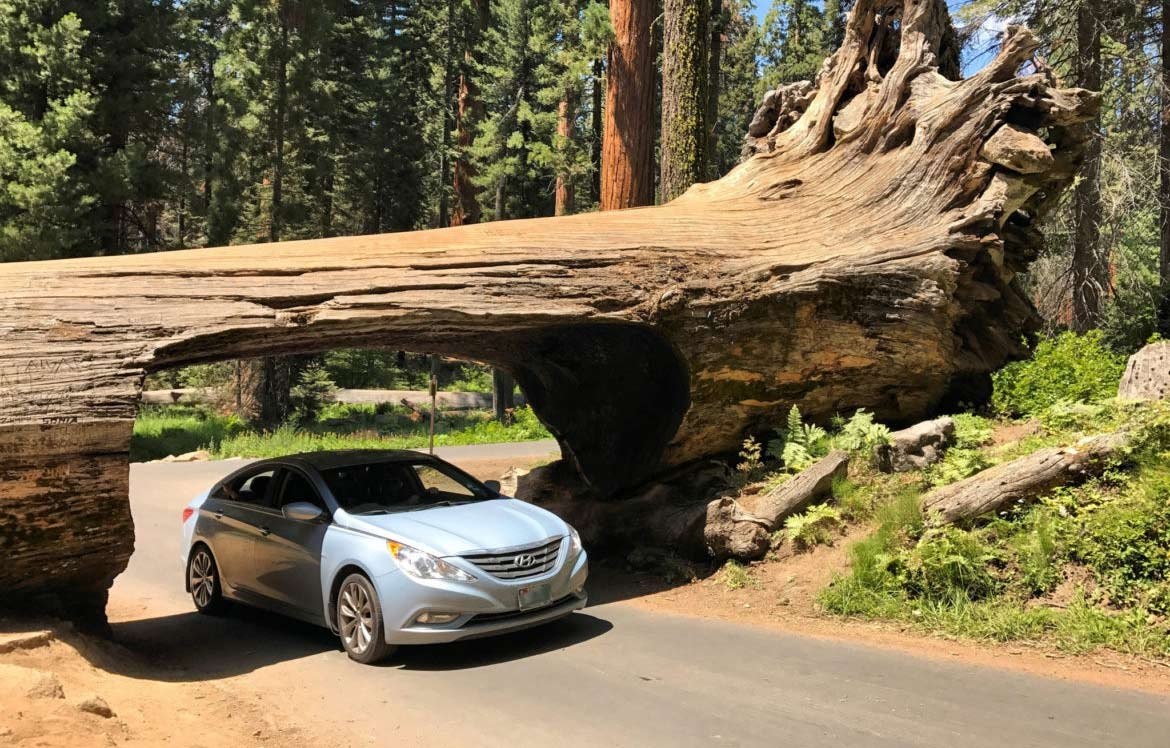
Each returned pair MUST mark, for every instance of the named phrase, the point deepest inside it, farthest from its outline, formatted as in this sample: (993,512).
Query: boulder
(916,447)
(96,705)
(1147,376)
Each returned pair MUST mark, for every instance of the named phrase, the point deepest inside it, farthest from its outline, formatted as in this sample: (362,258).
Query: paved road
(613,675)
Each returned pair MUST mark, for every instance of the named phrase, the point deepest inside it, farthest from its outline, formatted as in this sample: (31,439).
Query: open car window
(398,486)
(251,488)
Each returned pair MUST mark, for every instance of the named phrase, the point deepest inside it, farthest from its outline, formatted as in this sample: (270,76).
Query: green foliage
(1069,367)
(1126,542)
(957,463)
(948,563)
(736,576)
(971,431)
(178,429)
(312,392)
(798,445)
(738,80)
(1037,552)
(749,456)
(814,527)
(794,42)
(860,434)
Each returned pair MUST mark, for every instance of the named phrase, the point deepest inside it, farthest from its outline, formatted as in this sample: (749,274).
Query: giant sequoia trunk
(865,256)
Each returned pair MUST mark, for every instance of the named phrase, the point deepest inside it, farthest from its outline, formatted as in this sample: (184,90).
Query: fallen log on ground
(915,448)
(798,492)
(1022,479)
(868,234)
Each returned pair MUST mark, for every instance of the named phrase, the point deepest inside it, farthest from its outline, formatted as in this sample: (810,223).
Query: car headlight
(423,565)
(574,541)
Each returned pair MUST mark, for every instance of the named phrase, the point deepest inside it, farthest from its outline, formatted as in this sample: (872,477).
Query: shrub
(736,576)
(813,527)
(1068,367)
(749,456)
(1037,552)
(971,431)
(956,464)
(949,562)
(861,434)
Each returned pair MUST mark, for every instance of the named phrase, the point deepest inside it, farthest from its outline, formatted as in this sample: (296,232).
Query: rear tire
(203,579)
(359,621)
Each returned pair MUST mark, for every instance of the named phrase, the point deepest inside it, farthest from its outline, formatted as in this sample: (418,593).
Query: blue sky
(974,57)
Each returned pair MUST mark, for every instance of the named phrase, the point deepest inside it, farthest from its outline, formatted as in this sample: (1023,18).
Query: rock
(96,705)
(916,447)
(24,640)
(1018,150)
(30,682)
(1147,376)
(510,480)
(200,455)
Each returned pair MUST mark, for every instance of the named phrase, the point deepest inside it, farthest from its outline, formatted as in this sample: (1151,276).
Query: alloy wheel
(357,618)
(202,578)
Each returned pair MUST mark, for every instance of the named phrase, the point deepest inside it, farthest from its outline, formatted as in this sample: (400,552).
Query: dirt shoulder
(61,688)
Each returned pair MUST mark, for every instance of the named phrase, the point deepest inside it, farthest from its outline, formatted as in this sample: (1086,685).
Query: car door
(288,551)
(238,509)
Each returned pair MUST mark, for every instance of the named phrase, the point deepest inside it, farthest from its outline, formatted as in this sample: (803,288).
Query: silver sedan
(383,548)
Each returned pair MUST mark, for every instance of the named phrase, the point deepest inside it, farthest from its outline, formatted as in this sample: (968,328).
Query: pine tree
(794,42)
(738,83)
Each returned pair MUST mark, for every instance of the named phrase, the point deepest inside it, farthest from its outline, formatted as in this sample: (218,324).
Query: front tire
(359,621)
(203,579)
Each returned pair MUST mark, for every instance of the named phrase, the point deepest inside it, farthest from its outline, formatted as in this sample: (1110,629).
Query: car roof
(337,458)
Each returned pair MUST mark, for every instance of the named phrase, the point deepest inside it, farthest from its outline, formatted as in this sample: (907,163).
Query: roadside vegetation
(177,429)
(1080,568)
(228,421)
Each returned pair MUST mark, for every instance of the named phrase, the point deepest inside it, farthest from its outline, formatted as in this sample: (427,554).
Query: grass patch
(736,576)
(166,430)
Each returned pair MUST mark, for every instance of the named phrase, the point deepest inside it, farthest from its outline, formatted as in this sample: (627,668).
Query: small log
(792,496)
(1022,479)
(916,447)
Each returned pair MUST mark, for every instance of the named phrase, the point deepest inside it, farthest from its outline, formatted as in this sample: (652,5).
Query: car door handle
(265,532)
(219,515)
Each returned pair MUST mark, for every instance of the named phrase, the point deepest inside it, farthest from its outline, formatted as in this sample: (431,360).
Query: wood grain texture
(867,260)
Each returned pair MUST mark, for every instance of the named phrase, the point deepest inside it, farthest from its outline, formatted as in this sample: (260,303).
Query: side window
(298,488)
(435,482)
(252,488)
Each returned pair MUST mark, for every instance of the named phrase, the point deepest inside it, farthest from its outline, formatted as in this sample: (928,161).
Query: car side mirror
(493,485)
(302,511)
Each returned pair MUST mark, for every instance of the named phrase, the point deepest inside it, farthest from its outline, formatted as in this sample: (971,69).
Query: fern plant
(861,433)
(813,527)
(799,444)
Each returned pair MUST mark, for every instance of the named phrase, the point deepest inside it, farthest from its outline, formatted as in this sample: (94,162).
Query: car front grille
(520,563)
(493,617)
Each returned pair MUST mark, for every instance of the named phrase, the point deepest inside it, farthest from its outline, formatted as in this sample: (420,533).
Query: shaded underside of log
(1022,479)
(865,256)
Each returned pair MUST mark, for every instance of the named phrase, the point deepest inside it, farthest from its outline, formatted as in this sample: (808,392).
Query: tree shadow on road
(194,647)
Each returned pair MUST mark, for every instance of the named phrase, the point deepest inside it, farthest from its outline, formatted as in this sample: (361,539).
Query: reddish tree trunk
(565,202)
(627,147)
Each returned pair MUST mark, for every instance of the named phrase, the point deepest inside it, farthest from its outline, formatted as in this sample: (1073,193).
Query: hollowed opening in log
(612,394)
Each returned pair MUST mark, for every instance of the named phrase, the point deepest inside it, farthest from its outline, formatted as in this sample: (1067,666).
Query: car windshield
(399,486)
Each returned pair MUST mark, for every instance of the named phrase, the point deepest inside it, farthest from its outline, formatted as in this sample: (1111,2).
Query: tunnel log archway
(866,255)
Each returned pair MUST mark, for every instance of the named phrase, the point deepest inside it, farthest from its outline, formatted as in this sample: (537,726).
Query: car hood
(466,528)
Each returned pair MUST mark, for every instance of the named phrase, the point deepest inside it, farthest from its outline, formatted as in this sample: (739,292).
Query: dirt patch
(66,689)
(1010,432)
(492,469)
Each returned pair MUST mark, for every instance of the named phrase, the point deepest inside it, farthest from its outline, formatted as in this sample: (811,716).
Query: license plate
(535,596)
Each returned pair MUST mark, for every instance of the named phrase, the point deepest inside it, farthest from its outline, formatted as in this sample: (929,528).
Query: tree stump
(864,255)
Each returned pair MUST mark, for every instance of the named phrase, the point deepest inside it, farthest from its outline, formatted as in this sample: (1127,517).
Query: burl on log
(864,255)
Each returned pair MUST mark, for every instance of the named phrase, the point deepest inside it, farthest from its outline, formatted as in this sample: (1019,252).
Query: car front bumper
(486,607)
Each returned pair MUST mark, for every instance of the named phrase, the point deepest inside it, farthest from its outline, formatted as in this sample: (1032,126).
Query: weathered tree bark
(683,149)
(563,194)
(1022,479)
(866,256)
(627,144)
(1090,268)
(1163,310)
(1147,374)
(797,493)
(916,447)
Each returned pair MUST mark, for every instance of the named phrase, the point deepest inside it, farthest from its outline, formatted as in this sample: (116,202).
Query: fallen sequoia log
(865,254)
(1022,479)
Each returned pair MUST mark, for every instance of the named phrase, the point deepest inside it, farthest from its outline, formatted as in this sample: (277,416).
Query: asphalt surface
(612,675)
